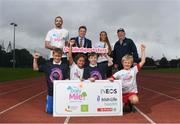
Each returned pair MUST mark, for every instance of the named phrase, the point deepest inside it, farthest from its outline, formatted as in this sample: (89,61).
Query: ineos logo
(108,91)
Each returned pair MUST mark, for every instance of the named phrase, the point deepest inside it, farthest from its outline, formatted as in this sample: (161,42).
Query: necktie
(80,44)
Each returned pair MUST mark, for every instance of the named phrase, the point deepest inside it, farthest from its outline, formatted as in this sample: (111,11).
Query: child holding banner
(77,67)
(95,71)
(128,77)
(55,70)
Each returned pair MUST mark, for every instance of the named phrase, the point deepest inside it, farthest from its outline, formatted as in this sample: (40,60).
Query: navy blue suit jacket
(87,43)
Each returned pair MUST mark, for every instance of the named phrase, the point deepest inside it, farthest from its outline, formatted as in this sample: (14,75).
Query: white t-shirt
(76,73)
(101,57)
(128,78)
(57,38)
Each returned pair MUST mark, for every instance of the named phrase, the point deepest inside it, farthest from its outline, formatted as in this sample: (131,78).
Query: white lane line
(20,103)
(11,91)
(67,120)
(169,86)
(145,116)
(160,93)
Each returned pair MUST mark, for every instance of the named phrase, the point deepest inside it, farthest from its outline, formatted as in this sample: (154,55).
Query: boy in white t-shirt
(76,69)
(128,77)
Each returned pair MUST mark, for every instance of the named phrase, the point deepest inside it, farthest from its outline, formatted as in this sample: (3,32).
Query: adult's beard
(58,25)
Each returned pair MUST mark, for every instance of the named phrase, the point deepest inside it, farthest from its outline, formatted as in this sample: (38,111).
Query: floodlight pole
(14,54)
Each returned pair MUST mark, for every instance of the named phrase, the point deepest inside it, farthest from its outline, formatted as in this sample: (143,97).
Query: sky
(155,23)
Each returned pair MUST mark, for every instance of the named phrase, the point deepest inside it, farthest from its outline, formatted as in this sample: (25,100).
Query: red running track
(23,101)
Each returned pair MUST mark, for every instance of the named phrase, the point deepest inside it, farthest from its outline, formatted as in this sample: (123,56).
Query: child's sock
(132,108)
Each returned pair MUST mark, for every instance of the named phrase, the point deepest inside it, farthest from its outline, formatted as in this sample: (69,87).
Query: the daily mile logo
(76,94)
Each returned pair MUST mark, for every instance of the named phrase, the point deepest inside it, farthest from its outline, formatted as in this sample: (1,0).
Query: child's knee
(134,99)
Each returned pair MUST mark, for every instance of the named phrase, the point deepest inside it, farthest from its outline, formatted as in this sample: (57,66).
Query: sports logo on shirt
(77,74)
(56,74)
(55,37)
(95,74)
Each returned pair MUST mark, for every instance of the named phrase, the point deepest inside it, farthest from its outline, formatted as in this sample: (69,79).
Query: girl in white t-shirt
(76,69)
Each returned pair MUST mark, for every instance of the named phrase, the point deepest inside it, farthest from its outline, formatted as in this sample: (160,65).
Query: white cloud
(154,22)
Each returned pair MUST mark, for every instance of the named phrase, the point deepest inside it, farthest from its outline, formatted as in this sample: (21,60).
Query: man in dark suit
(81,41)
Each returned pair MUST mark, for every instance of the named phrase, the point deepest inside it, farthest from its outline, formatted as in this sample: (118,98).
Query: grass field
(7,74)
(163,70)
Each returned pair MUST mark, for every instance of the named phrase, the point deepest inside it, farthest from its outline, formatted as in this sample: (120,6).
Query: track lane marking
(20,103)
(145,116)
(157,92)
(7,92)
(67,120)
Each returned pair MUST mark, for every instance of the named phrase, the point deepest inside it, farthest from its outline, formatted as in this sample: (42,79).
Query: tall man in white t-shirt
(57,38)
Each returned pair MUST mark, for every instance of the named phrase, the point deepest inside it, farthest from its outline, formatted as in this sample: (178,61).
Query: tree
(149,62)
(164,62)
(3,57)
(23,58)
(173,63)
(83,94)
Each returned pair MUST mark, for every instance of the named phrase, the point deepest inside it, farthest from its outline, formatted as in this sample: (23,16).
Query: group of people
(90,66)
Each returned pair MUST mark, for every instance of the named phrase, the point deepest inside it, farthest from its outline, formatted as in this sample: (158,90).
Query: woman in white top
(102,59)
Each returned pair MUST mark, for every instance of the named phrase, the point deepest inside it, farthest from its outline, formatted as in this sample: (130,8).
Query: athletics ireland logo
(95,74)
(56,74)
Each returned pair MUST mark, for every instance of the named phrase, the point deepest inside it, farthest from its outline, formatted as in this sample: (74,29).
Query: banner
(85,50)
(76,98)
